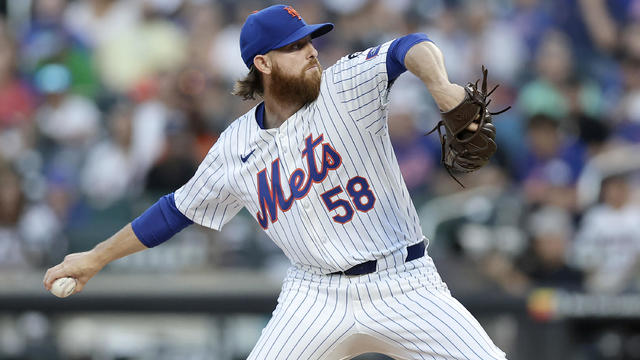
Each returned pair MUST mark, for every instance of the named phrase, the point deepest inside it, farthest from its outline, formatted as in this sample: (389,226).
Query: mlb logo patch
(373,52)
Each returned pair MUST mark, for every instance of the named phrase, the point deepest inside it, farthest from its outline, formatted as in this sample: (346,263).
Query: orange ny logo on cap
(292,12)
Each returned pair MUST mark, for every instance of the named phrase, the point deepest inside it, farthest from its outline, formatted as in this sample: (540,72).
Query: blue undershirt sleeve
(260,115)
(160,222)
(397,52)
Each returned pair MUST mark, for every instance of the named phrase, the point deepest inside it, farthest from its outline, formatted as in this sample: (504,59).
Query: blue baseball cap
(273,28)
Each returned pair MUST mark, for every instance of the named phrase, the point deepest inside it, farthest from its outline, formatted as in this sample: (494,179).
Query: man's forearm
(425,61)
(121,244)
(83,266)
(154,226)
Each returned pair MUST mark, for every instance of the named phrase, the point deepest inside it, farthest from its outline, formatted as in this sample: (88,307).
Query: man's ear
(263,63)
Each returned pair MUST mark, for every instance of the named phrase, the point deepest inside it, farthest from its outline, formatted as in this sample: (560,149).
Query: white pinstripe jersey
(325,185)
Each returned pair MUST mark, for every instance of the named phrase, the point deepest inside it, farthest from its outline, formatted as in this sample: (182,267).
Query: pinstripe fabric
(327,189)
(350,116)
(407,309)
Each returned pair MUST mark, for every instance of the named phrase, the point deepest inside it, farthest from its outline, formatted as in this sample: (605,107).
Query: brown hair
(251,85)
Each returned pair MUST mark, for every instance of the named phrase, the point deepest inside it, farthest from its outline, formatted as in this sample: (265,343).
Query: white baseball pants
(404,312)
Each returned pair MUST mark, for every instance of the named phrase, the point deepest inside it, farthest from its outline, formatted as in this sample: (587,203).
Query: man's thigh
(426,322)
(308,321)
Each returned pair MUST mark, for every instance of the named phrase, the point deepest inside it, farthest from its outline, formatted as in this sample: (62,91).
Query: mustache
(313,63)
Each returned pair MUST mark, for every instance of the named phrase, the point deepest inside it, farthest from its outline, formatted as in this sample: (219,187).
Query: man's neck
(276,113)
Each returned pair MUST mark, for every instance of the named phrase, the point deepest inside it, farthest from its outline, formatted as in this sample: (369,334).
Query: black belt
(414,251)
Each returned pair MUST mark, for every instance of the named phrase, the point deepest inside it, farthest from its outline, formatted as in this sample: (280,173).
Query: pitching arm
(425,60)
(83,266)
(156,225)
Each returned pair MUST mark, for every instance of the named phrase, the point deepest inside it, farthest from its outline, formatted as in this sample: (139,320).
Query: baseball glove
(464,150)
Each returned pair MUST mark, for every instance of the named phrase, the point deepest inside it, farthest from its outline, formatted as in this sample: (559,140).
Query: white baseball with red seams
(63,287)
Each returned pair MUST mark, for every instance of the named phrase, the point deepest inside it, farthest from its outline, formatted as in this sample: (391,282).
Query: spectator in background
(607,245)
(446,31)
(67,126)
(543,263)
(17,103)
(202,103)
(66,119)
(627,112)
(546,262)
(199,82)
(48,40)
(30,234)
(153,116)
(531,19)
(12,203)
(223,51)
(139,52)
(99,21)
(203,22)
(555,90)
(551,164)
(492,43)
(594,27)
(16,100)
(176,166)
(111,168)
(364,23)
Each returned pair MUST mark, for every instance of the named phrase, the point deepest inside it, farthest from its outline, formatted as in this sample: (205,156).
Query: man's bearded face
(301,88)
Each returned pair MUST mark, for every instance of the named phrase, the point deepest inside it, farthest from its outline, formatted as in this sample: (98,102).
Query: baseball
(63,287)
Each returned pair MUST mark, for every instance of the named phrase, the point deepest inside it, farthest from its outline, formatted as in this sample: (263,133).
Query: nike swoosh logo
(245,158)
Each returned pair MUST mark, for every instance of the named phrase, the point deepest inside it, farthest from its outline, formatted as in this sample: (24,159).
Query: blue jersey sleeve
(160,222)
(398,51)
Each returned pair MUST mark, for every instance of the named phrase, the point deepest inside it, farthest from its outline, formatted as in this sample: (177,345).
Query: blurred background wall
(106,105)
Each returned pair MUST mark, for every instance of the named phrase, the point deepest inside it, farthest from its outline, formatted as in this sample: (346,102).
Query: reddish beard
(303,88)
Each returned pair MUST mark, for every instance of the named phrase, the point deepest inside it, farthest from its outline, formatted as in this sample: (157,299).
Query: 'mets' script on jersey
(325,185)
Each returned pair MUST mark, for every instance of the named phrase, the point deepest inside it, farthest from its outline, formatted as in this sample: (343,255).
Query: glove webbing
(483,104)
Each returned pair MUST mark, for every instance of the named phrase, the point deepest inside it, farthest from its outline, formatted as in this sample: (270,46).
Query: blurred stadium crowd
(105,105)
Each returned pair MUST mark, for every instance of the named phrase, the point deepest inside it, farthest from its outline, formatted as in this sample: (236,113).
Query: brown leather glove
(464,150)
